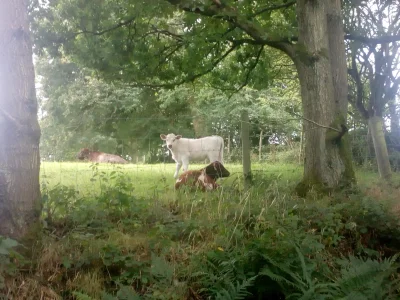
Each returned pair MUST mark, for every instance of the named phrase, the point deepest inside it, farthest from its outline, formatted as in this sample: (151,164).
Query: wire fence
(276,147)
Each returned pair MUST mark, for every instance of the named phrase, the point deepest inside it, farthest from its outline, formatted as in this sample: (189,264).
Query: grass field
(149,179)
(154,178)
(122,232)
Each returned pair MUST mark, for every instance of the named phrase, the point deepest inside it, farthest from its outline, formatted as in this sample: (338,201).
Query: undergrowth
(261,243)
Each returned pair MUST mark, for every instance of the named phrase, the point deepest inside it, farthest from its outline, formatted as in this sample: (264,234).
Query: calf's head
(216,170)
(205,179)
(83,153)
(170,139)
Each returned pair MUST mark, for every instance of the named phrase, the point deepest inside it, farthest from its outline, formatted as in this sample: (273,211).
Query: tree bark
(19,129)
(200,123)
(246,146)
(394,119)
(229,145)
(321,64)
(375,125)
(200,126)
(301,159)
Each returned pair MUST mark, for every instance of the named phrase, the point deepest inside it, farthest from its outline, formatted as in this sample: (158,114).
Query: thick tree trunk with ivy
(375,125)
(19,128)
(322,72)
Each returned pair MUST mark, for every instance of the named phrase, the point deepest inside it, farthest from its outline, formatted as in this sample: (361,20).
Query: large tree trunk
(321,64)
(19,128)
(375,125)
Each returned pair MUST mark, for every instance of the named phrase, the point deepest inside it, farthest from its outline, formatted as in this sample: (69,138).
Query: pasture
(146,179)
(123,232)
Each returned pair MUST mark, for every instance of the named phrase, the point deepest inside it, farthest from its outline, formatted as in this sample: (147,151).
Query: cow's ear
(178,137)
(163,137)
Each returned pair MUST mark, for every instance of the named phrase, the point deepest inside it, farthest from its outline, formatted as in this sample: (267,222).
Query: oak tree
(19,129)
(167,43)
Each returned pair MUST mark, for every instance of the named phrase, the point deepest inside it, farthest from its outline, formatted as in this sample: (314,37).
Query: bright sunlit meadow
(149,178)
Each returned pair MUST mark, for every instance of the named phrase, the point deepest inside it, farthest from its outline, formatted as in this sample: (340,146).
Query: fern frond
(278,278)
(306,275)
(236,292)
(300,283)
(81,296)
(370,278)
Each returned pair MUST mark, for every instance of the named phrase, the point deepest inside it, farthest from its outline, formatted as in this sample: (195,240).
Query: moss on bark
(336,140)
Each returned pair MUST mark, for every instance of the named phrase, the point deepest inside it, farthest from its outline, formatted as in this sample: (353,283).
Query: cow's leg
(185,163)
(178,167)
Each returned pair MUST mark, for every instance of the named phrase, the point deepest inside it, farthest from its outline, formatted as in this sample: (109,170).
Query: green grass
(158,178)
(149,179)
(123,232)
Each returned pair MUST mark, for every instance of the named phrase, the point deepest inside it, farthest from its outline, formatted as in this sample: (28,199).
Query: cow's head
(169,139)
(216,170)
(83,153)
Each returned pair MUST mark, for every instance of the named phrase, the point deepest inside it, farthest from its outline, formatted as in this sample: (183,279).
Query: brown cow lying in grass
(204,179)
(100,157)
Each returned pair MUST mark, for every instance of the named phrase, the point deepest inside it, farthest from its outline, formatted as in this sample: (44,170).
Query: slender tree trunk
(200,126)
(375,125)
(229,145)
(260,146)
(301,147)
(394,125)
(19,128)
(120,147)
(370,151)
(200,122)
(394,120)
(246,146)
(324,96)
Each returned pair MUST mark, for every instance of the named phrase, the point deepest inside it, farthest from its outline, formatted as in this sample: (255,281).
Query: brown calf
(204,179)
(100,157)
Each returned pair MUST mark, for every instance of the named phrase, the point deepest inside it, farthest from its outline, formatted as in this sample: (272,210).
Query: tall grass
(123,232)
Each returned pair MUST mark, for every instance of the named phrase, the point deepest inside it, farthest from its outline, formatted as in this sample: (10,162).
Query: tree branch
(251,68)
(275,7)
(359,87)
(315,123)
(189,78)
(374,40)
(164,32)
(120,24)
(231,15)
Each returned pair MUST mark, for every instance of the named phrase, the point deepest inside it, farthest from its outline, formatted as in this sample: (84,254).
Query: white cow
(183,150)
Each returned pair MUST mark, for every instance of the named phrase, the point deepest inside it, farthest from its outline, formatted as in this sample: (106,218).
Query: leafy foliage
(137,42)
(261,243)
(7,257)
(90,65)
